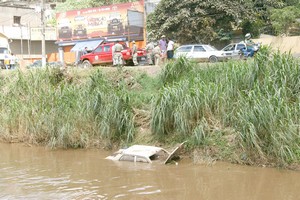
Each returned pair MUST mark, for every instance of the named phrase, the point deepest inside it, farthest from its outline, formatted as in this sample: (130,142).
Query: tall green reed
(45,107)
(258,100)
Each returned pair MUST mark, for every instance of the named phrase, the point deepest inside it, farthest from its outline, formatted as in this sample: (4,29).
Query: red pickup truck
(102,54)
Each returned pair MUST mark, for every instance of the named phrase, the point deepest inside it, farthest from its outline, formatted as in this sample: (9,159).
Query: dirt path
(149,69)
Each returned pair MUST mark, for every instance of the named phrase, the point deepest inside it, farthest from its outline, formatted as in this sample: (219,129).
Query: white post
(43,34)
(28,41)
(21,41)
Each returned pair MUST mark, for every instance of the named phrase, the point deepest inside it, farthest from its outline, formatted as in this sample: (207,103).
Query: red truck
(102,54)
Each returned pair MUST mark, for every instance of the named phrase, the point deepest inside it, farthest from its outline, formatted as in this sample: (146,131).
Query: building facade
(21,22)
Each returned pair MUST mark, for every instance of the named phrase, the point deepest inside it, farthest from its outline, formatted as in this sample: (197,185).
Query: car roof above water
(142,150)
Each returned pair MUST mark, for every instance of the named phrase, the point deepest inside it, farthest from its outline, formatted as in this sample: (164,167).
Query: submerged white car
(200,52)
(146,154)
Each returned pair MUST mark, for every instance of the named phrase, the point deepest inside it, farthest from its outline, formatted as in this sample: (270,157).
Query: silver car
(199,52)
(231,51)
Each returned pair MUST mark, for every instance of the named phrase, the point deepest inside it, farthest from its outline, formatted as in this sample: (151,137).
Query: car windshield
(3,50)
(229,47)
(210,48)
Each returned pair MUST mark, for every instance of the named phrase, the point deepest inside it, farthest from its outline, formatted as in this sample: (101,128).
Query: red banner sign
(112,21)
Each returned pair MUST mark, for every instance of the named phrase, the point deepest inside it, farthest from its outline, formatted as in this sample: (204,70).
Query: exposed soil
(151,70)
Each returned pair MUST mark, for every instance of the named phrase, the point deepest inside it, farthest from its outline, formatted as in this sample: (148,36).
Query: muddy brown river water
(39,173)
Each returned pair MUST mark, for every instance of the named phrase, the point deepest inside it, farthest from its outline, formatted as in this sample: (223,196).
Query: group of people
(10,61)
(156,52)
(159,51)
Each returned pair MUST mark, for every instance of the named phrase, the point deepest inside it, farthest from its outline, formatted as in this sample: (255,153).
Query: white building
(20,21)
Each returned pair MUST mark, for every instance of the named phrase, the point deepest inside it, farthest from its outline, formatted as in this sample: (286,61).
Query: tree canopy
(205,21)
(195,20)
(285,19)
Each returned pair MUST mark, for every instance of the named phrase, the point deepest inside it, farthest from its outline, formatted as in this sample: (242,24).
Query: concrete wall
(35,47)
(28,16)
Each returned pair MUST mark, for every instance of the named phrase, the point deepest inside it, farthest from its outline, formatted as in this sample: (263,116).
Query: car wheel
(213,59)
(86,64)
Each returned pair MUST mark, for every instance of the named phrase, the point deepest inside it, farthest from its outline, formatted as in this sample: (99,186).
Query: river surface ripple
(39,173)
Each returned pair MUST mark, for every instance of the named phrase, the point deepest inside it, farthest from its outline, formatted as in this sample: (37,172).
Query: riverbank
(241,112)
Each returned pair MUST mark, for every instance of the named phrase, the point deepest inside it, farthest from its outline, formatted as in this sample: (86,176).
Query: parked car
(231,51)
(146,154)
(199,52)
(102,54)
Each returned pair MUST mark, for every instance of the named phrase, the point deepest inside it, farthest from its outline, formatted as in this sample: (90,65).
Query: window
(185,49)
(229,47)
(3,50)
(210,48)
(240,46)
(106,48)
(98,50)
(199,49)
(127,158)
(141,159)
(17,20)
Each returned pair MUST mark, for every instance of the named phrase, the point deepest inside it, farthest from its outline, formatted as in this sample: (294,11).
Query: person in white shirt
(170,49)
(12,61)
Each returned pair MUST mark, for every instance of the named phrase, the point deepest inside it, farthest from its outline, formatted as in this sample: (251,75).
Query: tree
(196,20)
(285,18)
(264,22)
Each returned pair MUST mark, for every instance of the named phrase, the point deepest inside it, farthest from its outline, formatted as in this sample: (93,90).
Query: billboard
(117,20)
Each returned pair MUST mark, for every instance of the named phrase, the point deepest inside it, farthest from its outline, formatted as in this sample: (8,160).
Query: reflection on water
(38,173)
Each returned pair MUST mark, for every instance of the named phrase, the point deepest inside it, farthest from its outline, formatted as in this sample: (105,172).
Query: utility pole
(128,26)
(43,34)
(21,41)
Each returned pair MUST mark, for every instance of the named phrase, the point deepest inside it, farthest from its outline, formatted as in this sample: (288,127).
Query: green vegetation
(48,107)
(241,111)
(216,21)
(255,102)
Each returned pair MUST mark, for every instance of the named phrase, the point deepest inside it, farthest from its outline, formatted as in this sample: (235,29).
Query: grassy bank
(244,112)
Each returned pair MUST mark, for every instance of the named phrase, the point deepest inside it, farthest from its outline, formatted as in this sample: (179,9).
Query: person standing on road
(163,47)
(170,49)
(249,43)
(12,61)
(117,55)
(149,49)
(157,54)
(134,54)
(7,61)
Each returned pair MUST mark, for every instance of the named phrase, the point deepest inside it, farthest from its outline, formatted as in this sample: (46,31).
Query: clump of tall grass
(257,100)
(112,109)
(45,107)
(176,69)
